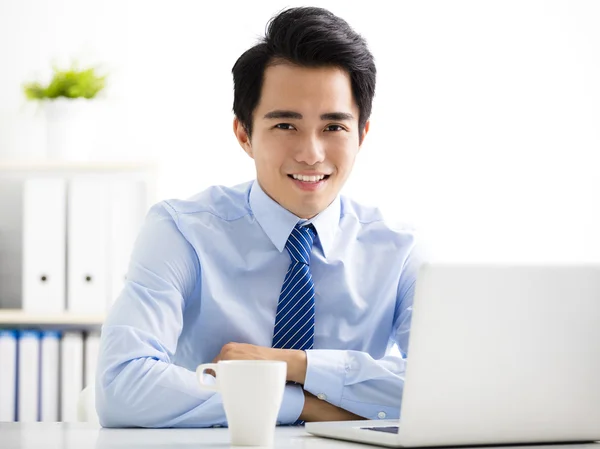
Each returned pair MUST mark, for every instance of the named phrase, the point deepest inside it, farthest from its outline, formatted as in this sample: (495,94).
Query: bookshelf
(20,319)
(52,233)
(125,189)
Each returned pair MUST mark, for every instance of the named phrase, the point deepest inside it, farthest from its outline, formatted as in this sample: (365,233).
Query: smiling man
(304,133)
(280,268)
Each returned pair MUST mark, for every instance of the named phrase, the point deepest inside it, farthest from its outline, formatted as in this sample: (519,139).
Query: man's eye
(335,128)
(285,126)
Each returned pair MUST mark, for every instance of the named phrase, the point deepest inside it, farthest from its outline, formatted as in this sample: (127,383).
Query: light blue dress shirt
(208,271)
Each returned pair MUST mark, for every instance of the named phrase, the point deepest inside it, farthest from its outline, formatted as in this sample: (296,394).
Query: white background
(485,128)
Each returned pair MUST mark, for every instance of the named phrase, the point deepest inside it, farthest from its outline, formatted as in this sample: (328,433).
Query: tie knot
(300,242)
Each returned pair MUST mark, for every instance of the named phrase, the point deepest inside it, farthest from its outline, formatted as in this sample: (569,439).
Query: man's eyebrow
(336,116)
(283,114)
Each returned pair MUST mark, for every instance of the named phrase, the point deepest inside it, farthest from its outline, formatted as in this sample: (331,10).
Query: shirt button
(322,396)
(381,415)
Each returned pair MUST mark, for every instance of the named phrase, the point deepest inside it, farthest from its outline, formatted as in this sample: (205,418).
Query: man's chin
(309,209)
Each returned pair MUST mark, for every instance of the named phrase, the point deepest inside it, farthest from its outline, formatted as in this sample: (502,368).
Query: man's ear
(242,137)
(364,134)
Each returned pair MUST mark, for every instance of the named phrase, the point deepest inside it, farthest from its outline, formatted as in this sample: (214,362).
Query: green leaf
(72,83)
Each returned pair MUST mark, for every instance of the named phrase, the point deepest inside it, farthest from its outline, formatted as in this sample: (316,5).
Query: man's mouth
(309,182)
(309,178)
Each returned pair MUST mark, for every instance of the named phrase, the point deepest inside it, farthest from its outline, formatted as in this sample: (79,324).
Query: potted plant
(68,103)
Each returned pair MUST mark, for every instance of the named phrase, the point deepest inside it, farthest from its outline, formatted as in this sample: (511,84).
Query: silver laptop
(498,354)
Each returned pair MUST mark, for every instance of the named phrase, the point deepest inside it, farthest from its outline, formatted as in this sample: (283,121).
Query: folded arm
(353,380)
(343,384)
(137,385)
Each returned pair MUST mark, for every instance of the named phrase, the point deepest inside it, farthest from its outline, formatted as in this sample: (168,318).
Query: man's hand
(318,410)
(296,360)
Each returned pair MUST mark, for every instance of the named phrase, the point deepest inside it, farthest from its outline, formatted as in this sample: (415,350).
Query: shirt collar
(278,222)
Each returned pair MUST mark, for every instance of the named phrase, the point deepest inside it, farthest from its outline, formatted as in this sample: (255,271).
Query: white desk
(88,436)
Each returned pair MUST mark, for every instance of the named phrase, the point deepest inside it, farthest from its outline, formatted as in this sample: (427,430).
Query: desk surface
(86,436)
(90,436)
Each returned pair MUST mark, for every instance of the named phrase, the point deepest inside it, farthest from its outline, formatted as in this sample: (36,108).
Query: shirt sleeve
(137,384)
(356,382)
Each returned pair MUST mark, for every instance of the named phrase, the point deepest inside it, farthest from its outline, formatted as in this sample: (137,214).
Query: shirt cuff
(326,374)
(371,411)
(292,405)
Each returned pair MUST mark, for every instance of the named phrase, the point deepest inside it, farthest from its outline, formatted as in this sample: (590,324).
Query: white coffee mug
(252,392)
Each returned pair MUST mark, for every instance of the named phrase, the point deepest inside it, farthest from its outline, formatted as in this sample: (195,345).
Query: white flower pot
(70,128)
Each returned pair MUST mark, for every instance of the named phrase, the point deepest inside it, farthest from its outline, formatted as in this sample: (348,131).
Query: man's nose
(311,151)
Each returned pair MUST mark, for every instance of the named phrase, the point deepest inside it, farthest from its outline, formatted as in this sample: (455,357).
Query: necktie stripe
(301,278)
(284,340)
(292,324)
(281,323)
(281,320)
(308,245)
(296,290)
(299,321)
(294,252)
(297,274)
(305,250)
(299,254)
(302,340)
(295,317)
(284,301)
(289,309)
(287,343)
(297,236)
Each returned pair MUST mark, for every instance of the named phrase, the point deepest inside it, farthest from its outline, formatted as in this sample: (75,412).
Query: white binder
(28,376)
(92,349)
(88,242)
(128,201)
(44,217)
(11,242)
(49,373)
(71,370)
(8,375)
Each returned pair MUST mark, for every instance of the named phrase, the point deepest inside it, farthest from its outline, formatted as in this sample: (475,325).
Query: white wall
(485,127)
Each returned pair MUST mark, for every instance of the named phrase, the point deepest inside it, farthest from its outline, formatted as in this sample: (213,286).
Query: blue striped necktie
(295,318)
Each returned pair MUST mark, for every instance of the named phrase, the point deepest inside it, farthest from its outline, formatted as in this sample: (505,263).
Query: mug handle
(200,372)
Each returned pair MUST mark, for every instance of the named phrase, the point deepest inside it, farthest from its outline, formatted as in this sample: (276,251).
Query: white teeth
(308,178)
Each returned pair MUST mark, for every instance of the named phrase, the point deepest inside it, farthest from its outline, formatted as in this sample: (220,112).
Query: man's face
(305,136)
